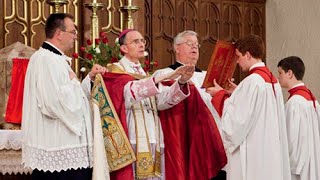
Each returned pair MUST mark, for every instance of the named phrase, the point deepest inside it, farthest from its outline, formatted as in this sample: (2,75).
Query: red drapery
(15,100)
(193,145)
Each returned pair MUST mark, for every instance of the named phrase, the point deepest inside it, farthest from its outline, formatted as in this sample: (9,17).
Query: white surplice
(56,119)
(139,91)
(254,131)
(303,123)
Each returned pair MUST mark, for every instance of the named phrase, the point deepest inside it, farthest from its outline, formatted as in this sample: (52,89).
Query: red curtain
(15,100)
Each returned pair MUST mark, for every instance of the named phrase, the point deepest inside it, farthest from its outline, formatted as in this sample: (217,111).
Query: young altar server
(303,120)
(253,118)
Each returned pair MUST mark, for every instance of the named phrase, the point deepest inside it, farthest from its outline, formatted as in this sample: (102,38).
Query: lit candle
(94,1)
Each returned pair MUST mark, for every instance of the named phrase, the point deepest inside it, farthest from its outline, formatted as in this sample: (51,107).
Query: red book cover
(222,64)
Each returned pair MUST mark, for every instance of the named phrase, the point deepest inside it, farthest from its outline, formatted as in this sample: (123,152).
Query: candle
(129,2)
(94,1)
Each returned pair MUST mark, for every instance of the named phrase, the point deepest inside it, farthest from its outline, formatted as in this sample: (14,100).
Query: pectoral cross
(136,69)
(146,105)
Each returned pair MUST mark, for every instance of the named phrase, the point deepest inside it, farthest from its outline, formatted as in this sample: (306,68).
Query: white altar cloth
(10,153)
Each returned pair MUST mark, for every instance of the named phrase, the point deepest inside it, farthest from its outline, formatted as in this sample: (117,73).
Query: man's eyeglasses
(137,41)
(190,43)
(74,32)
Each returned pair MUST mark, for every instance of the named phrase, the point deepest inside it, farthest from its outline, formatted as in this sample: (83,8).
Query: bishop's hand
(185,72)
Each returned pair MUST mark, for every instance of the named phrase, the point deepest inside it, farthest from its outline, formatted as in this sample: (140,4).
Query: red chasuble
(304,92)
(115,83)
(219,98)
(193,145)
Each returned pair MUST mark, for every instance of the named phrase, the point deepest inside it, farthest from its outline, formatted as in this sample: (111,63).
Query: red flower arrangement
(102,53)
(148,66)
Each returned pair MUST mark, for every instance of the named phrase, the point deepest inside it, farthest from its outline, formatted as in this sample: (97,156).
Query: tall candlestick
(127,12)
(94,7)
(56,4)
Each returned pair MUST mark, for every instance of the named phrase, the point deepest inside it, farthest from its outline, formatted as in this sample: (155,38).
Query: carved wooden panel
(159,20)
(209,31)
(110,18)
(24,20)
(212,19)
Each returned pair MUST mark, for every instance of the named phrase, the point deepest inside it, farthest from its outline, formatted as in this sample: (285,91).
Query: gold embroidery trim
(118,149)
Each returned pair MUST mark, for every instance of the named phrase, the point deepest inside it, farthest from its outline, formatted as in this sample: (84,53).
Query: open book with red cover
(222,64)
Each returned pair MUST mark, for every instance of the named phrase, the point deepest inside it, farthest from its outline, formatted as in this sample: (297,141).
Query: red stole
(266,74)
(193,145)
(304,92)
(219,98)
(115,83)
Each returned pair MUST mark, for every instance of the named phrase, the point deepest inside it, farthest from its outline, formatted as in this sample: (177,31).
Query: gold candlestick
(128,10)
(94,7)
(56,4)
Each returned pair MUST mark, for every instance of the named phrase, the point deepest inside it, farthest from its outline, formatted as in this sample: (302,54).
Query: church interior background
(158,20)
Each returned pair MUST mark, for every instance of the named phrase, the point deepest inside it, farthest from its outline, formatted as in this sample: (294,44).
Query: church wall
(292,28)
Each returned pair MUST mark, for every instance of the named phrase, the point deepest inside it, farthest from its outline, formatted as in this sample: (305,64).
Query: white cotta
(56,119)
(254,131)
(303,123)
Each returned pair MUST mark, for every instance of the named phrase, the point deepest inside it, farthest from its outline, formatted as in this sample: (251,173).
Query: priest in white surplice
(303,121)
(253,119)
(186,47)
(56,119)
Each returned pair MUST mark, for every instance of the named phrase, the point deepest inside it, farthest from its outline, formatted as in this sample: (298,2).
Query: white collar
(297,85)
(259,64)
(130,63)
(130,66)
(180,62)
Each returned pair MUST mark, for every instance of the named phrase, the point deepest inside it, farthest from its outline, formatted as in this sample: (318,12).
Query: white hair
(179,38)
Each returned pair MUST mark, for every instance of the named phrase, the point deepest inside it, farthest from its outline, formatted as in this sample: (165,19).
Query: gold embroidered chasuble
(117,146)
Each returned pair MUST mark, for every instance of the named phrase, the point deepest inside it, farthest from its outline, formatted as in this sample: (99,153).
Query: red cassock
(193,145)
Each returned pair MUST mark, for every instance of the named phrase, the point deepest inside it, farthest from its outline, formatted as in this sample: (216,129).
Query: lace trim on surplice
(73,158)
